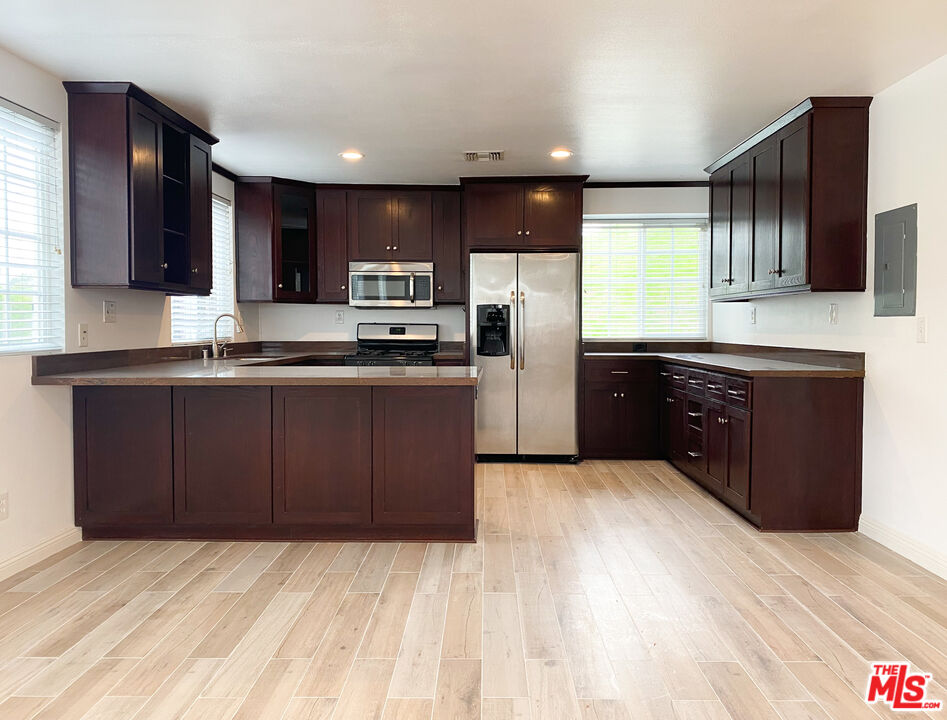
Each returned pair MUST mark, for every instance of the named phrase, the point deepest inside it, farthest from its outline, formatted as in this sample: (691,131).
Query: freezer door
(493,282)
(547,304)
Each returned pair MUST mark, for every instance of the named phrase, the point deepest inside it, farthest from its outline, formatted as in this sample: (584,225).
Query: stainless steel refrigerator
(524,334)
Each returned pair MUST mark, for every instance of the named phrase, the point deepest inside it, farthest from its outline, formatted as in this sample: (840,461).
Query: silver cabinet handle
(713,386)
(280,285)
(665,374)
(522,329)
(695,414)
(737,393)
(527,232)
(677,377)
(622,394)
(619,372)
(669,400)
(194,269)
(163,266)
(394,247)
(519,232)
(515,330)
(695,382)
(387,247)
(723,420)
(693,454)
(614,394)
(342,287)
(440,288)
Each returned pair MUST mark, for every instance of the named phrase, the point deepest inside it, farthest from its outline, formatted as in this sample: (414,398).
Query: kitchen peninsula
(268,446)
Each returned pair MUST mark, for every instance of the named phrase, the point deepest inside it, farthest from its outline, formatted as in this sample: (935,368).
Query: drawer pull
(614,394)
(693,454)
(723,420)
(665,374)
(737,393)
(668,400)
(695,414)
(695,382)
(714,386)
(677,377)
(619,372)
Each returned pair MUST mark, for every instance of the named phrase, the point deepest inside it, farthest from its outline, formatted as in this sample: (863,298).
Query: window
(31,260)
(644,279)
(192,317)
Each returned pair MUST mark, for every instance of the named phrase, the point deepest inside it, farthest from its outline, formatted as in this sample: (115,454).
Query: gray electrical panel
(896,261)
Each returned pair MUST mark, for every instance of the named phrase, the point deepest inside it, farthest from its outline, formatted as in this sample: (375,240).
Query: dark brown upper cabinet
(523,213)
(389,225)
(448,259)
(789,205)
(332,258)
(276,240)
(139,192)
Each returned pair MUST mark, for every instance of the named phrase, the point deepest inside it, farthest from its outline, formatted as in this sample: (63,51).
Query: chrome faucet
(218,349)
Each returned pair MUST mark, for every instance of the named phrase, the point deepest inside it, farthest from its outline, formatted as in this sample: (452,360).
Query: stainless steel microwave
(396,285)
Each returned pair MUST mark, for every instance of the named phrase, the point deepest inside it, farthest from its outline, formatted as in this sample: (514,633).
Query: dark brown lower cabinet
(728,452)
(122,453)
(618,407)
(322,455)
(222,455)
(422,451)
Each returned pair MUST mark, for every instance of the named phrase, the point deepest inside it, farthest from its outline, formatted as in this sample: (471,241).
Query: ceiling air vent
(483,155)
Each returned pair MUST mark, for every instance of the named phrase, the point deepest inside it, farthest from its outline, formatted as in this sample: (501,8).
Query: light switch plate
(339,317)
(752,314)
(922,329)
(108,311)
(83,335)
(4,506)
(833,313)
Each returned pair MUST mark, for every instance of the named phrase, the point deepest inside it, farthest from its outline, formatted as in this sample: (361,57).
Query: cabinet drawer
(678,377)
(696,380)
(739,392)
(664,373)
(618,370)
(715,386)
(694,415)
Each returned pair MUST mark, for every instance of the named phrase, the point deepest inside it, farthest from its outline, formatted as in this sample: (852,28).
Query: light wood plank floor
(605,591)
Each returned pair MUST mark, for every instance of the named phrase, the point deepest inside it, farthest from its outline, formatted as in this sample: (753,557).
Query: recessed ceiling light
(561,153)
(352,155)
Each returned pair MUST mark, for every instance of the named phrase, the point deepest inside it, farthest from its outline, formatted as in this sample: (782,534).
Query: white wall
(36,423)
(905,485)
(317,322)
(660,201)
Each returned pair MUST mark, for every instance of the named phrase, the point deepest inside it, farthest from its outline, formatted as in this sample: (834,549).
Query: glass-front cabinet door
(295,243)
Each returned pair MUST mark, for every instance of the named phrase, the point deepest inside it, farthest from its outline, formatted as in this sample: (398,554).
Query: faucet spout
(218,348)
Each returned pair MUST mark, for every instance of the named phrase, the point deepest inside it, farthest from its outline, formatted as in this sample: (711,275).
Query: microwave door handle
(411,287)
(514,333)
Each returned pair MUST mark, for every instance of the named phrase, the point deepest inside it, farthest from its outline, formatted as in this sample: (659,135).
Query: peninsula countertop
(262,369)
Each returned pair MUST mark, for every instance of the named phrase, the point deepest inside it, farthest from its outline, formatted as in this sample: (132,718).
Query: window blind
(644,279)
(31,235)
(192,317)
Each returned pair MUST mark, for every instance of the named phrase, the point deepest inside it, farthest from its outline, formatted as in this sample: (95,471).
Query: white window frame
(222,298)
(644,222)
(47,316)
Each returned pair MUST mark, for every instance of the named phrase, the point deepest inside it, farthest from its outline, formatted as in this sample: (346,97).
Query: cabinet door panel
(322,461)
(604,411)
(737,487)
(146,194)
(122,455)
(294,216)
(494,213)
(678,424)
(716,444)
(765,226)
(369,225)
(200,227)
(448,263)
(740,226)
(552,215)
(794,203)
(720,232)
(639,430)
(222,455)
(422,447)
(411,223)
(332,264)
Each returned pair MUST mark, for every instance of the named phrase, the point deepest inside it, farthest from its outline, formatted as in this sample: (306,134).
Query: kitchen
(552,431)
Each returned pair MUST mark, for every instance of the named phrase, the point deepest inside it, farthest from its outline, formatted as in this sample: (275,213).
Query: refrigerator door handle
(515,331)
(521,326)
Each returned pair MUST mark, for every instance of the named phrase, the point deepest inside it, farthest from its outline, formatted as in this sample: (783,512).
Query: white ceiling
(640,89)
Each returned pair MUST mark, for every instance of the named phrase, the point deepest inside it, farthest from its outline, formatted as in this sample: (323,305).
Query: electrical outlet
(83,335)
(833,313)
(752,314)
(108,311)
(339,317)
(922,329)
(4,506)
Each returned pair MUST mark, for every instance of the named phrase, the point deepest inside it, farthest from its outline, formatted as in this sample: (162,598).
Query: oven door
(391,284)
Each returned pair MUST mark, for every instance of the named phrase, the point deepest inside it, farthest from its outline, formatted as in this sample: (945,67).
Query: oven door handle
(411,287)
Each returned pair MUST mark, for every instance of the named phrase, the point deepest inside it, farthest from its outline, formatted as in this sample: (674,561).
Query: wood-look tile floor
(606,591)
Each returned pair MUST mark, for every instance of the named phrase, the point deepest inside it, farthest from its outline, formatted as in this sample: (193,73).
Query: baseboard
(924,555)
(40,552)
